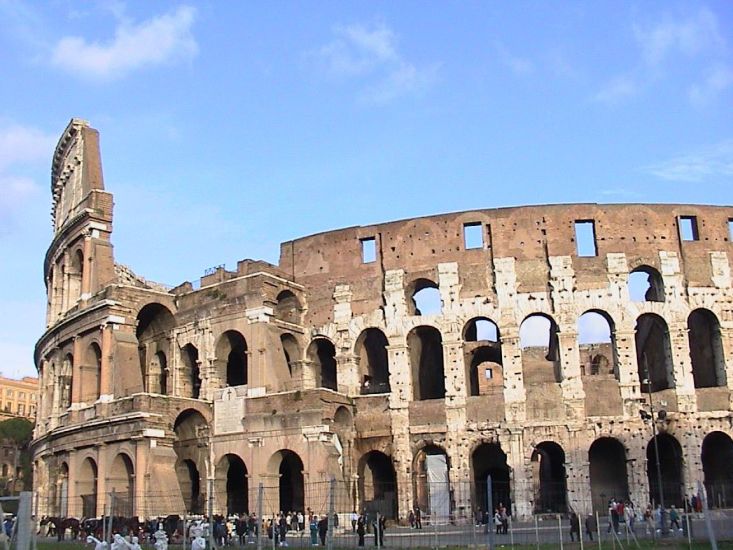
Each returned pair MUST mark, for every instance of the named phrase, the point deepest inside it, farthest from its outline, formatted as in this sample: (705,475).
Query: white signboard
(228,412)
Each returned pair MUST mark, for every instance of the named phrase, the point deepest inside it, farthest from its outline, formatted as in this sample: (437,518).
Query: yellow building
(18,397)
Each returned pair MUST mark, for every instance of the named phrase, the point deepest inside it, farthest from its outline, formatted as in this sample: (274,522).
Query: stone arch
(717,457)
(423,297)
(322,355)
(608,472)
(291,350)
(232,358)
(121,481)
(190,445)
(550,483)
(706,349)
(233,484)
(86,486)
(646,284)
(597,343)
(75,276)
(66,381)
(154,325)
(291,489)
(653,353)
(671,465)
(425,348)
(482,356)
(371,349)
(378,484)
(91,373)
(538,340)
(431,482)
(288,307)
(488,458)
(190,372)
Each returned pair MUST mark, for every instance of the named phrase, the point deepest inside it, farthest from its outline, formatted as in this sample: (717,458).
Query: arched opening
(189,481)
(717,457)
(87,488)
(431,483)
(62,493)
(154,324)
(191,448)
(231,358)
(488,459)
(608,475)
(158,374)
(646,285)
(121,481)
(540,349)
(596,343)
(550,483)
(670,465)
(482,356)
(322,354)
(371,348)
(65,382)
(90,373)
(425,298)
(288,307)
(75,277)
(426,359)
(191,373)
(653,353)
(237,487)
(289,466)
(378,484)
(706,349)
(291,350)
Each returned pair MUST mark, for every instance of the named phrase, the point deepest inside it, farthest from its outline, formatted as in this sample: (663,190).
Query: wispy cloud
(708,164)
(21,147)
(162,39)
(370,54)
(616,90)
(718,79)
(691,36)
(517,65)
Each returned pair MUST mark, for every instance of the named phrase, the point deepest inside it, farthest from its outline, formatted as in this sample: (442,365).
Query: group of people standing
(364,522)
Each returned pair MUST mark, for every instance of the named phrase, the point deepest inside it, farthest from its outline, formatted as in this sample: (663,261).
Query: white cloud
(719,79)
(616,90)
(518,65)
(690,37)
(159,40)
(21,147)
(370,53)
(713,163)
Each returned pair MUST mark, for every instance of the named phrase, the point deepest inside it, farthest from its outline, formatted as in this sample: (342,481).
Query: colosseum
(552,348)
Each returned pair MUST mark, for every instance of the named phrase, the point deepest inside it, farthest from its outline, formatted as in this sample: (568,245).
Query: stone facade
(329,366)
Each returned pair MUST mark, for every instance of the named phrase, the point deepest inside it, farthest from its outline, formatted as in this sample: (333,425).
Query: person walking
(418,518)
(313,525)
(591,526)
(574,527)
(323,529)
(674,518)
(361,529)
(354,520)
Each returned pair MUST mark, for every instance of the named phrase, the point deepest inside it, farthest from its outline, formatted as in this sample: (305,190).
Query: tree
(17,433)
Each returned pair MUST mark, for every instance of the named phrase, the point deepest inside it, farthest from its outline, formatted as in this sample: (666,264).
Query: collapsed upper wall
(530,234)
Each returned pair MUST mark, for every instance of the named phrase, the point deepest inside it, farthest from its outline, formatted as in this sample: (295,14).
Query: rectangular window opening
(585,238)
(688,228)
(473,236)
(368,250)
(730,229)
(489,374)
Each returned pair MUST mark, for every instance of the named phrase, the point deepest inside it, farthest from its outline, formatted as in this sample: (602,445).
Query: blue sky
(228,127)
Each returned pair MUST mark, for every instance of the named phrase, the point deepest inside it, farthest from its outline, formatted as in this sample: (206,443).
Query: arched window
(231,358)
(154,325)
(540,349)
(653,353)
(596,343)
(322,354)
(425,346)
(482,356)
(291,350)
(706,349)
(425,298)
(191,375)
(646,285)
(91,373)
(371,349)
(550,479)
(288,307)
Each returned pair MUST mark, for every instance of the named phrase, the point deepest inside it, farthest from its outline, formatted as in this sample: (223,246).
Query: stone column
(86,270)
(141,476)
(455,414)
(515,396)
(628,369)
(571,384)
(347,373)
(399,399)
(102,474)
(521,486)
(106,392)
(76,378)
(577,470)
(74,501)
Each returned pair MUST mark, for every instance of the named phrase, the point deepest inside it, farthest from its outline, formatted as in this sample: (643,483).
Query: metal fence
(287,511)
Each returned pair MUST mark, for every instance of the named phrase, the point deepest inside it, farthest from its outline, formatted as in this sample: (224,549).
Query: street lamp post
(653,420)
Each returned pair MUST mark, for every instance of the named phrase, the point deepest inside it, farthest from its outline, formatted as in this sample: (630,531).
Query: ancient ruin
(389,357)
